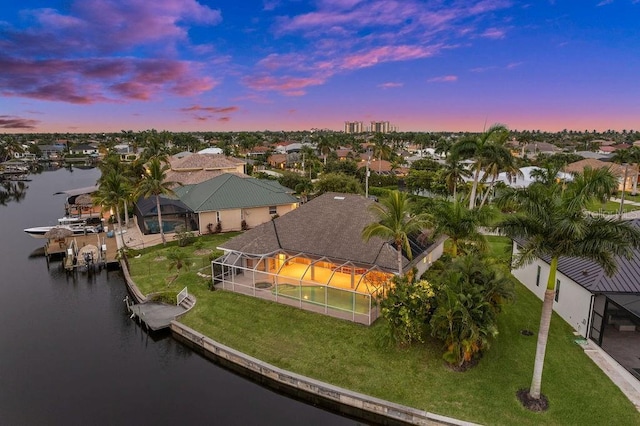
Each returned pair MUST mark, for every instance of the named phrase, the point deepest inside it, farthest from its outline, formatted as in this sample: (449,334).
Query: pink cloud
(213,110)
(291,86)
(493,33)
(12,122)
(387,54)
(443,79)
(224,119)
(86,81)
(85,56)
(390,85)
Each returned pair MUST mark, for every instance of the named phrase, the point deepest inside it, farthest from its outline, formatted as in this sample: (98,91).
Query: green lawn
(348,355)
(610,207)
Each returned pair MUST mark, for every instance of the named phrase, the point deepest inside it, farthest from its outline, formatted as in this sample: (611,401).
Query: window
(538,276)
(557,290)
(273,210)
(217,216)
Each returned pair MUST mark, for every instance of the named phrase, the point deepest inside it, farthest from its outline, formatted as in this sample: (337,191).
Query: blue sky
(188,65)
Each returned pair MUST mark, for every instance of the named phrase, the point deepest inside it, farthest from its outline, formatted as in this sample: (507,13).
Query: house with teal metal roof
(236,202)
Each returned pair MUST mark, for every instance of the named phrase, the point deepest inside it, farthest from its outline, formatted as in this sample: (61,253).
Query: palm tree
(461,224)
(454,173)
(325,144)
(381,150)
(552,222)
(113,189)
(177,259)
(477,147)
(498,159)
(395,222)
(154,183)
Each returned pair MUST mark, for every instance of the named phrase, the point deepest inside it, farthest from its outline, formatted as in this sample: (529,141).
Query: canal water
(69,354)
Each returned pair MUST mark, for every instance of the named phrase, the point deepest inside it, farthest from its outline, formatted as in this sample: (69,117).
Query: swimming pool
(323,295)
(168,225)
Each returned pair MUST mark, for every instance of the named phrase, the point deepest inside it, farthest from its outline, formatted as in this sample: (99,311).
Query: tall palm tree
(461,224)
(476,147)
(552,222)
(395,222)
(113,189)
(154,183)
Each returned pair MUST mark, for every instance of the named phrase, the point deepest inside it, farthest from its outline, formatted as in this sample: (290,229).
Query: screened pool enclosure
(340,289)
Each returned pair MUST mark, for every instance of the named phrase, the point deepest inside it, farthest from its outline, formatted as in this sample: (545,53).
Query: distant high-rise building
(381,127)
(353,127)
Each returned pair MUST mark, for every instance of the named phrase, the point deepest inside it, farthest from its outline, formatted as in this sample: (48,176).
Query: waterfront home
(315,258)
(235,202)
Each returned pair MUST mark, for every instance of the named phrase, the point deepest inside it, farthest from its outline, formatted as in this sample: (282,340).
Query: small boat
(76,225)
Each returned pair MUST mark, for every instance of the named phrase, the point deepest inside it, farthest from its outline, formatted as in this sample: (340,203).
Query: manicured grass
(630,197)
(610,207)
(348,355)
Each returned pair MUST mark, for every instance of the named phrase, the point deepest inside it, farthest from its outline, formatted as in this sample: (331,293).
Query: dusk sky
(188,65)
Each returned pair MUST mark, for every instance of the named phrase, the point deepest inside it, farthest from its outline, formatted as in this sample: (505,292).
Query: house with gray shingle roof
(605,309)
(236,201)
(315,258)
(196,168)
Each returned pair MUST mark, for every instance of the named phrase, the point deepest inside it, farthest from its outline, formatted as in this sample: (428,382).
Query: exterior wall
(425,262)
(574,301)
(232,219)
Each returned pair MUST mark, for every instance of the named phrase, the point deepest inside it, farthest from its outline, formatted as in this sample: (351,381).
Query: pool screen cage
(340,289)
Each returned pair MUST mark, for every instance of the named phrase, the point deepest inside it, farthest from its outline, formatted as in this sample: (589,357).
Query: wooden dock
(73,248)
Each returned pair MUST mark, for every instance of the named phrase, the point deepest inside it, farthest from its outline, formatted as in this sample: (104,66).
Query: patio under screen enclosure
(339,289)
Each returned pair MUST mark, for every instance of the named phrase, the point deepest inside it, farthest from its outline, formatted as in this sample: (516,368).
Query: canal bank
(317,393)
(72,356)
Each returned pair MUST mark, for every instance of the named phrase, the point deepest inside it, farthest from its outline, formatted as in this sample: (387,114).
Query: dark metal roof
(591,276)
(148,207)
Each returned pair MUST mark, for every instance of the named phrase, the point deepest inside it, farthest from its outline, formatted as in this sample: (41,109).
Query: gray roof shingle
(328,226)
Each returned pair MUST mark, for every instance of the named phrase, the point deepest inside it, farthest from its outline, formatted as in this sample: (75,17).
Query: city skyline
(186,65)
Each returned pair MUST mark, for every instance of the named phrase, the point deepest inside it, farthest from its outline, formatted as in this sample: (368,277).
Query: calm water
(69,354)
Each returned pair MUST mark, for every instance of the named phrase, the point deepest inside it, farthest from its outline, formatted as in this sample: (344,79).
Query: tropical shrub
(183,236)
(470,295)
(407,310)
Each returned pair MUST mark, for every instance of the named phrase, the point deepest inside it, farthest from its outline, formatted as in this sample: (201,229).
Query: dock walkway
(156,315)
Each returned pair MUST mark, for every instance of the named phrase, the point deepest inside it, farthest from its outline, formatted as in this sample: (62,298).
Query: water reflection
(11,191)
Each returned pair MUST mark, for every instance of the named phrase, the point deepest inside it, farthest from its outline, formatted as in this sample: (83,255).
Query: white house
(602,308)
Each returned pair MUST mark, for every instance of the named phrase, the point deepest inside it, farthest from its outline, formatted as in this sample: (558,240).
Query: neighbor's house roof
(579,166)
(196,168)
(230,191)
(204,162)
(591,276)
(168,205)
(328,226)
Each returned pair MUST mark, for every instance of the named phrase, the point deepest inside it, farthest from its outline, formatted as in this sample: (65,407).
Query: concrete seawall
(331,397)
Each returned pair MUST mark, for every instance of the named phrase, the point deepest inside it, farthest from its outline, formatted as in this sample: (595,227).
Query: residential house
(315,258)
(602,308)
(52,152)
(127,152)
(236,202)
(83,149)
(627,174)
(196,168)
